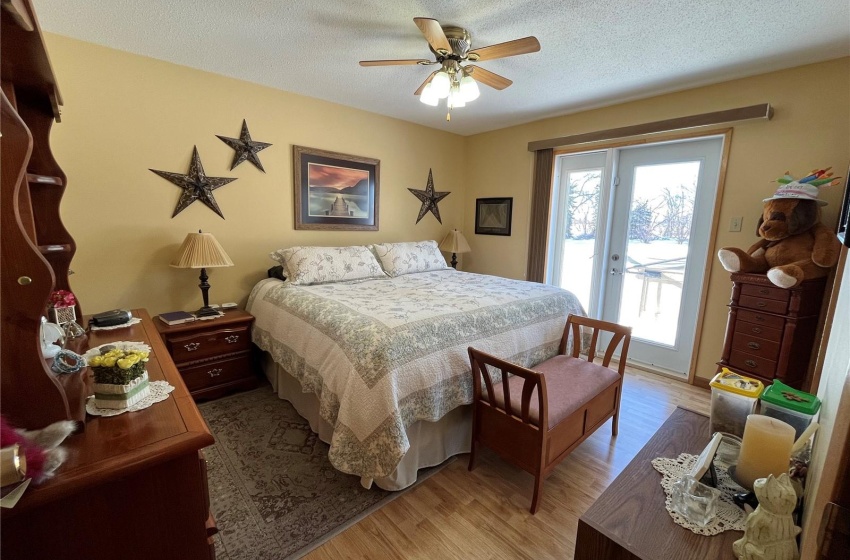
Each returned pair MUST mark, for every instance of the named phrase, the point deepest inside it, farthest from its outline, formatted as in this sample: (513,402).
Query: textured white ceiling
(594,52)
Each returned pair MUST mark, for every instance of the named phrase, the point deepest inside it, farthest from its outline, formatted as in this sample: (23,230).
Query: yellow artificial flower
(109,361)
(125,363)
(96,361)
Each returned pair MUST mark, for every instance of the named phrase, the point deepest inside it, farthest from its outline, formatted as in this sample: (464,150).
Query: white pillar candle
(765,449)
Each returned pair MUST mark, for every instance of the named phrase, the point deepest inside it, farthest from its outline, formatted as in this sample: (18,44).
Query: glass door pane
(577,233)
(662,211)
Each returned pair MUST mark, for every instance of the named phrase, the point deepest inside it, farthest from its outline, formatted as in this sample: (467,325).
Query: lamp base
(208,312)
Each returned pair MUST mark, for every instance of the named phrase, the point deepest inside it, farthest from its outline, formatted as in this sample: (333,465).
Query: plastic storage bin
(733,398)
(789,405)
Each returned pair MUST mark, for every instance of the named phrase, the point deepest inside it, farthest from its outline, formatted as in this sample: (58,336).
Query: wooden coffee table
(629,520)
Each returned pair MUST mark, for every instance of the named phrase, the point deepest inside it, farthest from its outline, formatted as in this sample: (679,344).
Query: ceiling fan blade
(425,83)
(434,34)
(395,62)
(511,48)
(488,78)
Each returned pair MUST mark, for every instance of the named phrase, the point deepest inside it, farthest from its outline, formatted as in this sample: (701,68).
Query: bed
(379,366)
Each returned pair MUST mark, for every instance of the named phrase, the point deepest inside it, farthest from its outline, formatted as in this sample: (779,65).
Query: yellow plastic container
(733,398)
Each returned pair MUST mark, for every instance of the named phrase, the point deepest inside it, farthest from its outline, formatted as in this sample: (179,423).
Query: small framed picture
(493,216)
(335,191)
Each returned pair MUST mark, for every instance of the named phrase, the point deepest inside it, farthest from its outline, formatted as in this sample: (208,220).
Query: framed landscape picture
(335,191)
(493,216)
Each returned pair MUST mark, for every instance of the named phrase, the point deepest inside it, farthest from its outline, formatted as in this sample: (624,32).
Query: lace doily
(729,516)
(159,391)
(133,321)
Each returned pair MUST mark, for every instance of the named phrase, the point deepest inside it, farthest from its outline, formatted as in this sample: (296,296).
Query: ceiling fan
(452,46)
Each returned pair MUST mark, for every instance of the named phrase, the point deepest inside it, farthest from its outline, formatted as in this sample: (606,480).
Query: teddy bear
(770,533)
(794,245)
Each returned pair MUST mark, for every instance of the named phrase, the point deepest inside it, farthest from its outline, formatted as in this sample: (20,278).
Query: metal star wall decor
(196,185)
(245,148)
(429,199)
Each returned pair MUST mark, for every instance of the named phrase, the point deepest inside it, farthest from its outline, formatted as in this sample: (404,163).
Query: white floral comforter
(382,354)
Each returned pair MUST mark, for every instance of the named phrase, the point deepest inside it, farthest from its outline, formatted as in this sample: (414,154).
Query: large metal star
(245,148)
(196,185)
(429,199)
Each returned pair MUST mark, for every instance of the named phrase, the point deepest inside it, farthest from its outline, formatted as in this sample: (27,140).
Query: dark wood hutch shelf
(36,248)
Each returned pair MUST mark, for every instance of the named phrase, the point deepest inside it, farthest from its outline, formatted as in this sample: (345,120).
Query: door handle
(617,271)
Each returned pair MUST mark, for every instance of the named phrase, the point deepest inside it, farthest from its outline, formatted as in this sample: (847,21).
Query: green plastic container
(790,405)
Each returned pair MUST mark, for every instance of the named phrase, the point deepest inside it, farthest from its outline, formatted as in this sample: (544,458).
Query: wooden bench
(554,407)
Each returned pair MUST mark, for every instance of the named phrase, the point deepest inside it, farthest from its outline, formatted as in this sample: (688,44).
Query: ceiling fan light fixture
(455,99)
(428,97)
(469,89)
(441,84)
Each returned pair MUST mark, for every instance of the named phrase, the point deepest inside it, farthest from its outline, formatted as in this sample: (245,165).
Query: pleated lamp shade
(200,250)
(455,242)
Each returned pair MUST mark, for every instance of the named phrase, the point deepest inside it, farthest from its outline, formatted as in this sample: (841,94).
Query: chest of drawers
(772,331)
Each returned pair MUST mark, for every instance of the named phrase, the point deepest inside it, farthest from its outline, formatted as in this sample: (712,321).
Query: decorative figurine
(770,532)
(429,198)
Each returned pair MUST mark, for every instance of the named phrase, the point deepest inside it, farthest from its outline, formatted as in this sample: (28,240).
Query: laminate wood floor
(484,514)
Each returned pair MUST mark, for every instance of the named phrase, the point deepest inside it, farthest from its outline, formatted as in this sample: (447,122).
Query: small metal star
(429,199)
(196,185)
(245,148)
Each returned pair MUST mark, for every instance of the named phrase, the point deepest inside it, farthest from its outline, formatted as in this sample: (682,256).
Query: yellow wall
(126,113)
(811,128)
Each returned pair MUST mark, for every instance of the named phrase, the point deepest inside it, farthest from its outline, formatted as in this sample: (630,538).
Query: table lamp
(201,250)
(455,243)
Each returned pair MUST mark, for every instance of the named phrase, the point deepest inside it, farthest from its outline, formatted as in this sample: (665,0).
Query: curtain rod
(762,111)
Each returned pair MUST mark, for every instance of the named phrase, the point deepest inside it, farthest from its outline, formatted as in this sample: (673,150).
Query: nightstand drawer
(763,304)
(761,319)
(757,330)
(753,364)
(217,373)
(757,346)
(196,346)
(779,294)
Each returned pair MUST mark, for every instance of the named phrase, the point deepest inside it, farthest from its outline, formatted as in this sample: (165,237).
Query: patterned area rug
(273,492)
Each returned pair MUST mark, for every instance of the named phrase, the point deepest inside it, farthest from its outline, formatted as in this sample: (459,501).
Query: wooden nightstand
(214,356)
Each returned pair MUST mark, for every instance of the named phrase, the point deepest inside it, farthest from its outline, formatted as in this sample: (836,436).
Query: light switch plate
(735,223)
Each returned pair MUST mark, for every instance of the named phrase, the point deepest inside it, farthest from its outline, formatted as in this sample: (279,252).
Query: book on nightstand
(176,317)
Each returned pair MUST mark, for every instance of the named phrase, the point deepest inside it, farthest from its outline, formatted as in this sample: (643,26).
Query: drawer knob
(751,363)
(232,338)
(756,330)
(192,346)
(761,304)
(754,345)
(764,291)
(759,318)
(215,372)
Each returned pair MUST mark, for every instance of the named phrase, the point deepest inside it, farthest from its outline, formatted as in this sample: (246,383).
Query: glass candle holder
(694,500)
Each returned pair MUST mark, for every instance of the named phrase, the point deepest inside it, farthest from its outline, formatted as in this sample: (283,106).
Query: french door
(629,235)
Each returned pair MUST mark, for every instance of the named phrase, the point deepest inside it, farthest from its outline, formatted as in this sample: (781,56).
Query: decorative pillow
(319,265)
(407,258)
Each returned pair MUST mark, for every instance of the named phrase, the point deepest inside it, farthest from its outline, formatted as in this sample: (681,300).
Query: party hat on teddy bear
(806,188)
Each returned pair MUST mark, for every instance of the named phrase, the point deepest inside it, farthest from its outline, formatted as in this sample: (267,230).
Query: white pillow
(407,258)
(318,265)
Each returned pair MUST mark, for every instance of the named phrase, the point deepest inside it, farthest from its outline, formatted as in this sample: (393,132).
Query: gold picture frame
(335,191)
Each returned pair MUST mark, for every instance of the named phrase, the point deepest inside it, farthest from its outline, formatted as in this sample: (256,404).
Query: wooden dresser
(772,331)
(133,487)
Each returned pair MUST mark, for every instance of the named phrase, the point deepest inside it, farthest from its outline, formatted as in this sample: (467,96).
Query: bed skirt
(431,443)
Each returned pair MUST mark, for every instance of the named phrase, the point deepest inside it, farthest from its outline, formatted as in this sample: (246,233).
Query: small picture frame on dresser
(844,219)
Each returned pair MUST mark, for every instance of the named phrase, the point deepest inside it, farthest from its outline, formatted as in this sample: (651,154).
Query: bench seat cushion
(570,384)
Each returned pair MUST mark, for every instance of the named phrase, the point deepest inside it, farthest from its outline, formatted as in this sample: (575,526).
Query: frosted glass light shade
(455,99)
(428,97)
(200,250)
(469,89)
(441,84)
